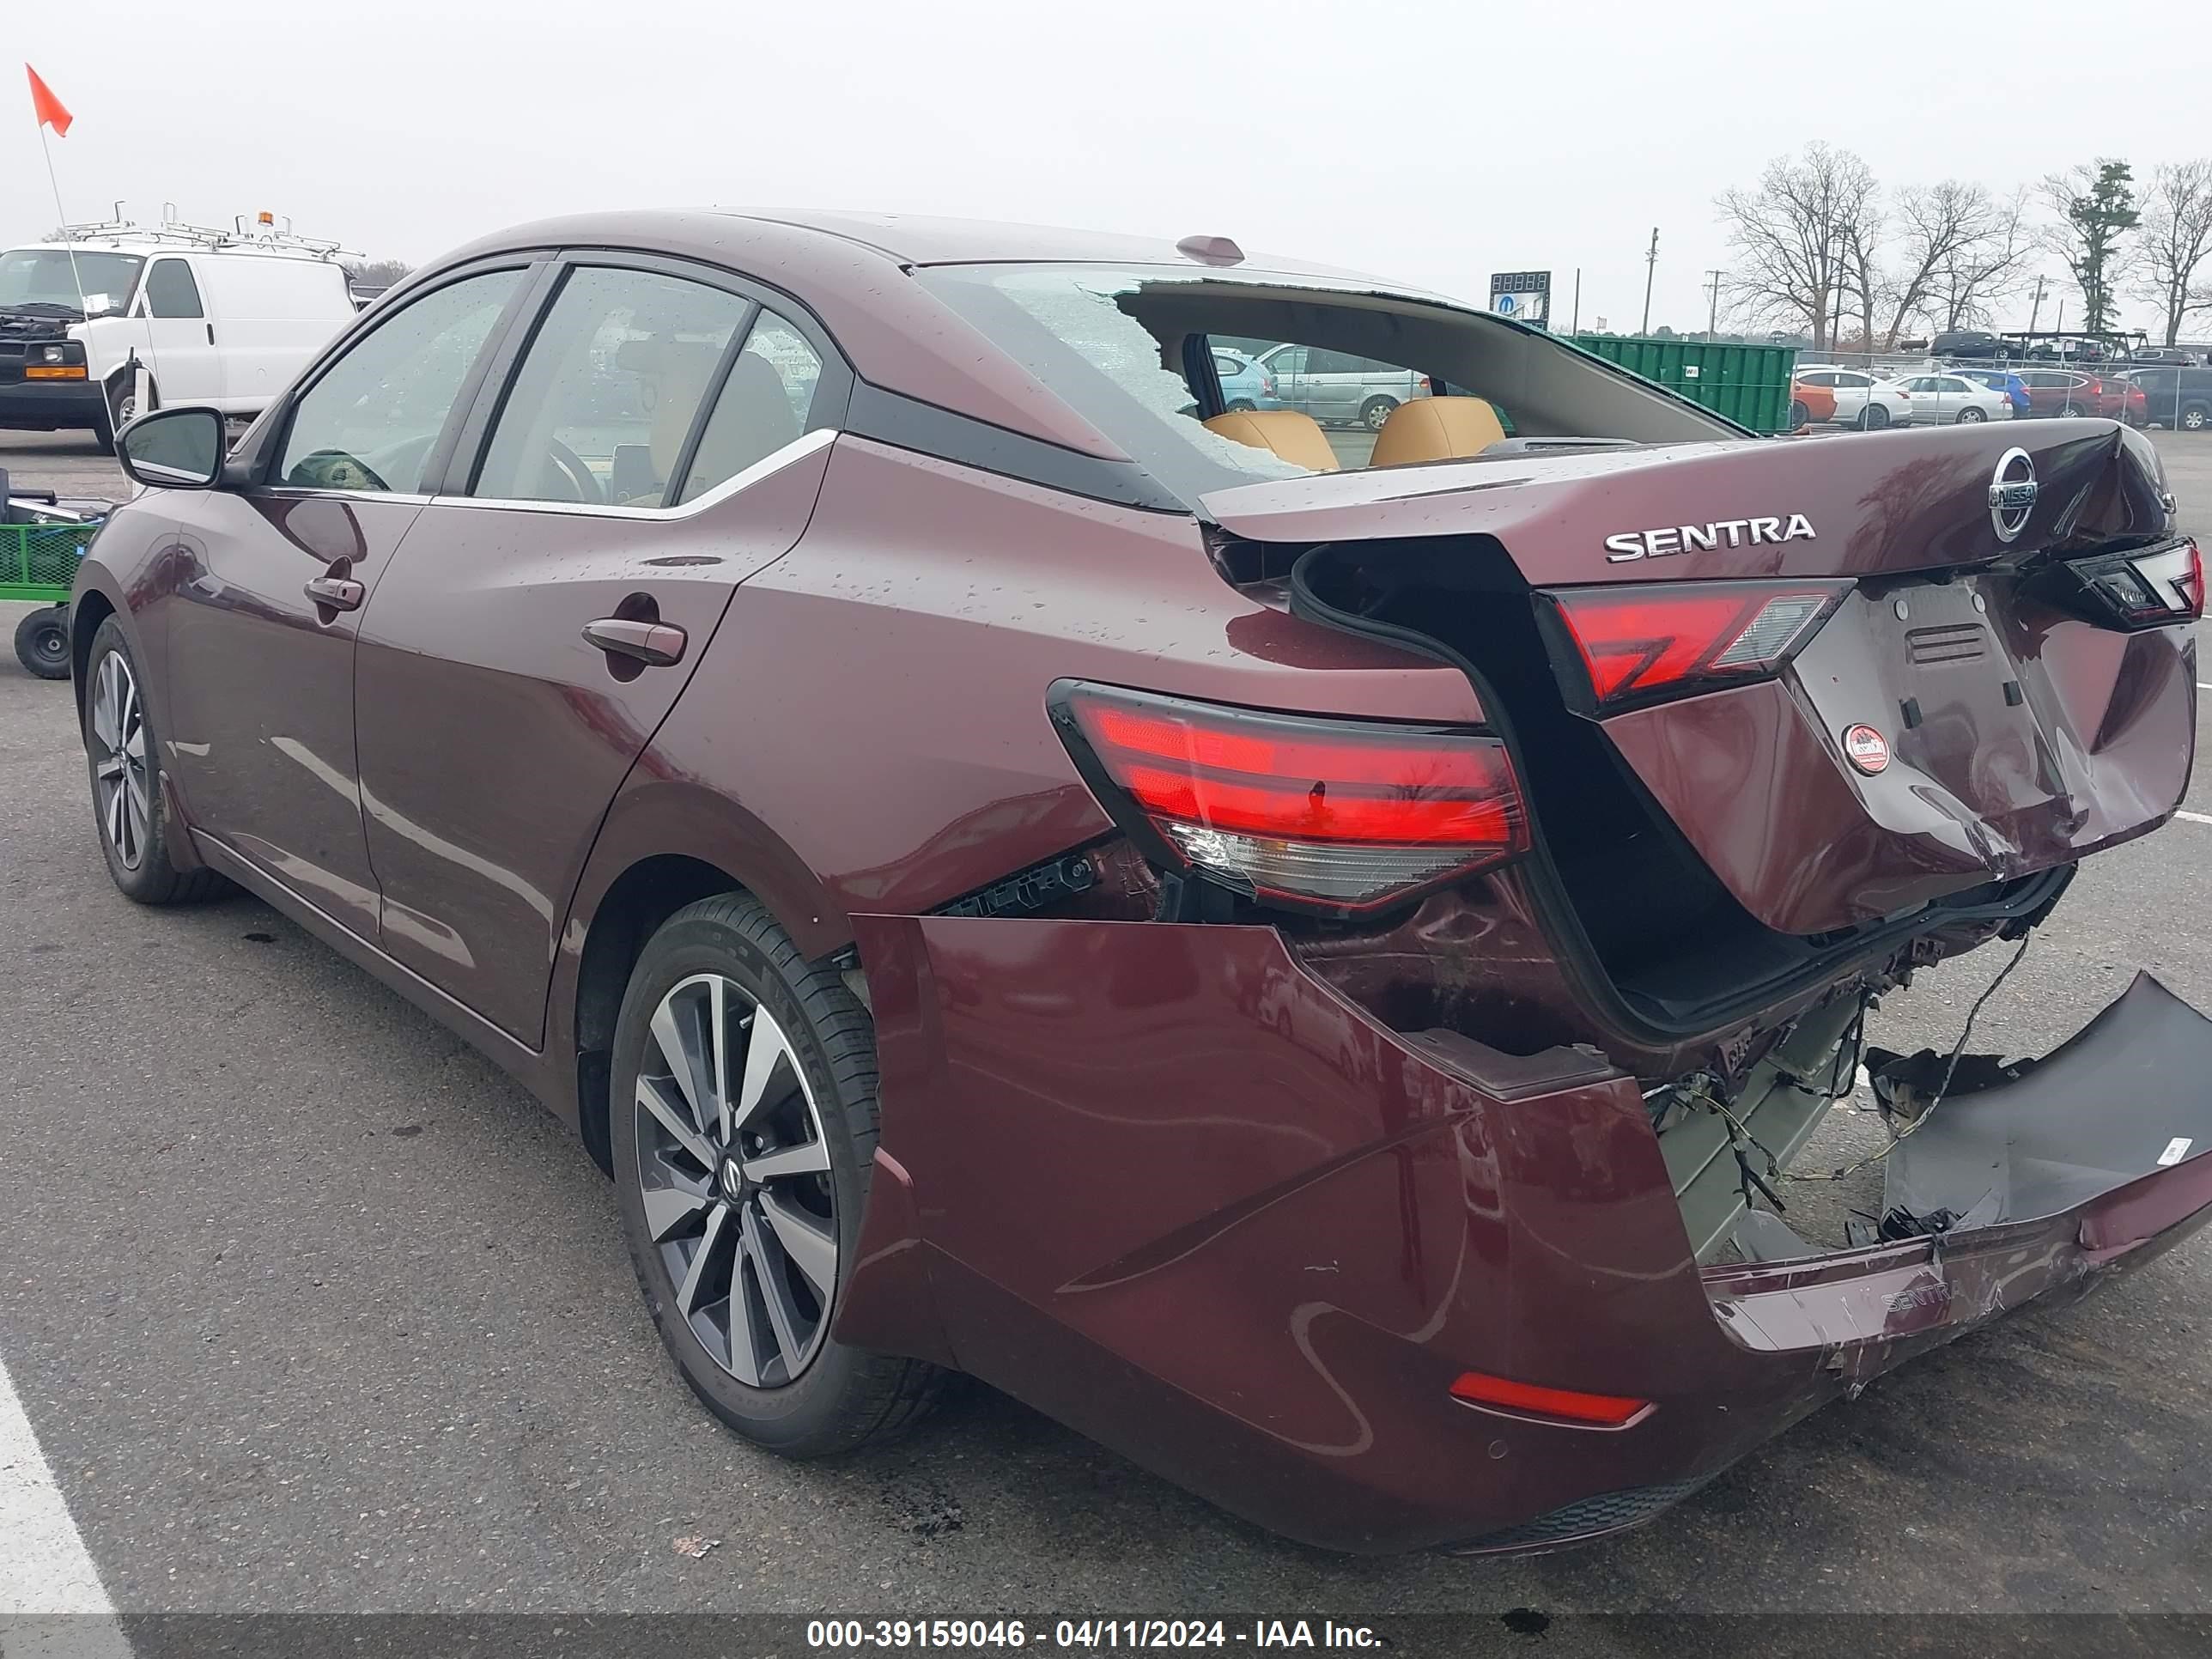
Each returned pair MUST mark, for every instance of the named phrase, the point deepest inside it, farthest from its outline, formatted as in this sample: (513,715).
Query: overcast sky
(1435,142)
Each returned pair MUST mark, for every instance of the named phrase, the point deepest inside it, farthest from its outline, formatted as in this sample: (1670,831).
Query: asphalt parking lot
(312,1310)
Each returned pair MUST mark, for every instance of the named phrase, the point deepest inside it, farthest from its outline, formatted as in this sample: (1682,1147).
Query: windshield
(1209,379)
(40,278)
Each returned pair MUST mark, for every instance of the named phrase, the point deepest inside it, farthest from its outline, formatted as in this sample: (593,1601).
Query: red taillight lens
(1643,642)
(2192,584)
(1267,385)
(1590,1411)
(1342,815)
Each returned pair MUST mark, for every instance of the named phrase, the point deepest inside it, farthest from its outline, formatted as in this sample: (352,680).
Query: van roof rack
(266,234)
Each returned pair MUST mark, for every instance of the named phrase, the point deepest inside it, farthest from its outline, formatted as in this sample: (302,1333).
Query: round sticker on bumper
(1866,749)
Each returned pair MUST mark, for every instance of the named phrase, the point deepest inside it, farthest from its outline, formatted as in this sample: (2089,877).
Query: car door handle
(339,593)
(655,644)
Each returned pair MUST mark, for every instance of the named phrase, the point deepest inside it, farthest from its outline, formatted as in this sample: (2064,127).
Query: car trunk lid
(1998,731)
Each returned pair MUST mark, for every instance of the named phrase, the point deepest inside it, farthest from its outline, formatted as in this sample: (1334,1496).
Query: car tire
(42,642)
(1873,418)
(1374,411)
(775,1375)
(2194,418)
(1971,416)
(1241,406)
(119,407)
(1799,416)
(123,761)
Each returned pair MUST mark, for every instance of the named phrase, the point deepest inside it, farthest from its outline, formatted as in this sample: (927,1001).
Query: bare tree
(1957,245)
(2096,207)
(1988,270)
(1793,237)
(1864,283)
(2177,239)
(376,273)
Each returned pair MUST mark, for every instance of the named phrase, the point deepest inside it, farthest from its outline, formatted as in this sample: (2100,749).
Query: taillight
(1645,642)
(2136,589)
(1266,386)
(1339,814)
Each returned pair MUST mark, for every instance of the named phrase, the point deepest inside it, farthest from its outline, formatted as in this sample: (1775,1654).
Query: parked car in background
(1951,400)
(2006,380)
(1283,984)
(211,320)
(2052,391)
(1337,388)
(2165,357)
(1967,342)
(1810,403)
(2180,398)
(1862,399)
(1245,385)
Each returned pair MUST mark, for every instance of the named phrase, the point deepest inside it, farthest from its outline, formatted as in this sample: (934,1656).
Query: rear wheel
(2195,418)
(1799,416)
(744,1131)
(1873,418)
(1374,411)
(1241,406)
(126,763)
(1969,414)
(42,642)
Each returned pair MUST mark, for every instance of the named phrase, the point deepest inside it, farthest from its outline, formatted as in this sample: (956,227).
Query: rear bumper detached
(1162,1183)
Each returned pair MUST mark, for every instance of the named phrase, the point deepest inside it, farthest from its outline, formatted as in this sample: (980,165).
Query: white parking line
(52,1602)
(2196,818)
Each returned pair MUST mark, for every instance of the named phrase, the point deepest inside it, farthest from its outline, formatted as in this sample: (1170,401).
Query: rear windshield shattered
(1153,355)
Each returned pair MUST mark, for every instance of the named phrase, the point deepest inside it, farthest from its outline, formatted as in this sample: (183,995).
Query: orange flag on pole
(48,108)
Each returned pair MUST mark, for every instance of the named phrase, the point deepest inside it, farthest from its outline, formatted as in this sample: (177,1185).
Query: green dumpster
(1747,384)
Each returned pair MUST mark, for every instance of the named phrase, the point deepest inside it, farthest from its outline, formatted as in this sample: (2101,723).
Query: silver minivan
(1337,389)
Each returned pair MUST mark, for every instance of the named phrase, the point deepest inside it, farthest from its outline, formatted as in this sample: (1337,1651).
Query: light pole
(1713,315)
(1651,270)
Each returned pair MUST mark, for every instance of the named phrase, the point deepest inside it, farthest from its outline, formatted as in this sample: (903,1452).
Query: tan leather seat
(1436,430)
(1297,438)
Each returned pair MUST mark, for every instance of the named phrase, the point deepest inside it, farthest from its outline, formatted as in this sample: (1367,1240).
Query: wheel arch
(664,845)
(86,611)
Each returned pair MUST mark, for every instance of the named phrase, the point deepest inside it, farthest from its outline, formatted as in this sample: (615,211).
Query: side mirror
(175,448)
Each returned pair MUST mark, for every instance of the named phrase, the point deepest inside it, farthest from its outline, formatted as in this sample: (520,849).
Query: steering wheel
(588,485)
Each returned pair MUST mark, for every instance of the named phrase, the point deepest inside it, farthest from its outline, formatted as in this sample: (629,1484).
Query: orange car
(1809,403)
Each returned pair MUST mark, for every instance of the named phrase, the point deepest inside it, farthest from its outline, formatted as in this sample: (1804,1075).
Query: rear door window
(601,409)
(766,402)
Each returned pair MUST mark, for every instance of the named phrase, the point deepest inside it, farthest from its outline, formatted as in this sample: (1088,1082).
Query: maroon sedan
(1307,956)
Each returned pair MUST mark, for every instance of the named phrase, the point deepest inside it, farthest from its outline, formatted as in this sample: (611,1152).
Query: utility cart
(41,541)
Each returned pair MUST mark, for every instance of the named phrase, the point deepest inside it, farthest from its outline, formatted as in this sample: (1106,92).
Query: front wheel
(743,1137)
(1374,411)
(42,642)
(1970,414)
(118,408)
(126,763)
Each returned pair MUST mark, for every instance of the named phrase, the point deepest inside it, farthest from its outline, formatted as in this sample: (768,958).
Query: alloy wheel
(119,780)
(734,1171)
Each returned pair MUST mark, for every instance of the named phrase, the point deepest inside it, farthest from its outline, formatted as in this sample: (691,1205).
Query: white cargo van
(212,317)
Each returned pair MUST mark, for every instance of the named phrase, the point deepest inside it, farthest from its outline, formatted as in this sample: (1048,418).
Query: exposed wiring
(1950,1067)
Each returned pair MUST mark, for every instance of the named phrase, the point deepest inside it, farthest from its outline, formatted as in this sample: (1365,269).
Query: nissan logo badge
(2012,494)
